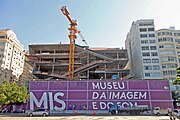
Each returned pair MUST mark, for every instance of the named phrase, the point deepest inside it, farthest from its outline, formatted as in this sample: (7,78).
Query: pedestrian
(170,114)
(5,110)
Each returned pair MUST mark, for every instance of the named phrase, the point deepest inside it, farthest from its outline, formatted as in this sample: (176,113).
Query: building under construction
(50,61)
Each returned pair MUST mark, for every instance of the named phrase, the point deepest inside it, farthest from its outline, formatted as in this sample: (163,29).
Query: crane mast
(72,37)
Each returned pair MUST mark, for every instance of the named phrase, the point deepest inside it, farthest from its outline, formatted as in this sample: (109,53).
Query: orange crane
(72,36)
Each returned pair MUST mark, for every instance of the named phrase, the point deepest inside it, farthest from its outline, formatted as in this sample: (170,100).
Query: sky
(103,23)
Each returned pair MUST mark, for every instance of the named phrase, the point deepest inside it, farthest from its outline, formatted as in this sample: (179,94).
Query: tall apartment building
(169,51)
(50,61)
(11,55)
(142,50)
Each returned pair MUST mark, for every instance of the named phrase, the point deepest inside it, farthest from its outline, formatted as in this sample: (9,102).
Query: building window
(167,52)
(154,54)
(2,36)
(145,24)
(178,47)
(164,39)
(143,35)
(156,67)
(166,59)
(147,74)
(145,47)
(168,33)
(147,67)
(177,41)
(151,35)
(145,54)
(155,60)
(169,72)
(169,65)
(161,46)
(143,29)
(164,33)
(153,48)
(178,54)
(166,46)
(171,59)
(144,41)
(160,40)
(176,34)
(159,33)
(157,74)
(146,60)
(2,43)
(152,41)
(150,29)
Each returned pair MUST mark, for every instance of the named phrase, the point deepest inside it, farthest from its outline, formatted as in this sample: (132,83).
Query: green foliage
(11,93)
(176,97)
(177,81)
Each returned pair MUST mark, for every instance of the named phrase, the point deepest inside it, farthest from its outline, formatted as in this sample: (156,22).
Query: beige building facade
(169,51)
(11,55)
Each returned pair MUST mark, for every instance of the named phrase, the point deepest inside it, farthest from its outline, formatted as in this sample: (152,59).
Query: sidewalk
(80,112)
(76,113)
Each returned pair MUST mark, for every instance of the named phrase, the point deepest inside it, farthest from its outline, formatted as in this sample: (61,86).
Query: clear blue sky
(104,23)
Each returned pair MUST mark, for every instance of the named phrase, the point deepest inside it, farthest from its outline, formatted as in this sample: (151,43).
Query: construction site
(74,78)
(51,61)
(72,61)
(68,78)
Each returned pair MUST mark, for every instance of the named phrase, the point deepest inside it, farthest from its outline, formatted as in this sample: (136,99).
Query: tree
(176,97)
(177,81)
(11,93)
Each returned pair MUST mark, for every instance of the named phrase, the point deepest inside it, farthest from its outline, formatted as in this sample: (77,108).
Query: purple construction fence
(98,95)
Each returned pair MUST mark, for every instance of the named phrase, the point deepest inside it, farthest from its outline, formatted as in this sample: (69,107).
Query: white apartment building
(143,51)
(169,51)
(12,55)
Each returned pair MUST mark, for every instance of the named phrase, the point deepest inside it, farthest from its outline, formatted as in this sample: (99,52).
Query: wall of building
(169,51)
(12,53)
(144,51)
(161,50)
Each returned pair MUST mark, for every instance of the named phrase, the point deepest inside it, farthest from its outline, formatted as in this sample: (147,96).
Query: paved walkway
(124,117)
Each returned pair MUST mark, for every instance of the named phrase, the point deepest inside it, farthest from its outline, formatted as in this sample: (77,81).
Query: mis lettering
(44,101)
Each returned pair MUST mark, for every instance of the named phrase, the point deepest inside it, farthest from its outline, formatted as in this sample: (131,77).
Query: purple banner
(98,95)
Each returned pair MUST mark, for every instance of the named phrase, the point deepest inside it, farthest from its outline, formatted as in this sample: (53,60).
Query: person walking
(171,116)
